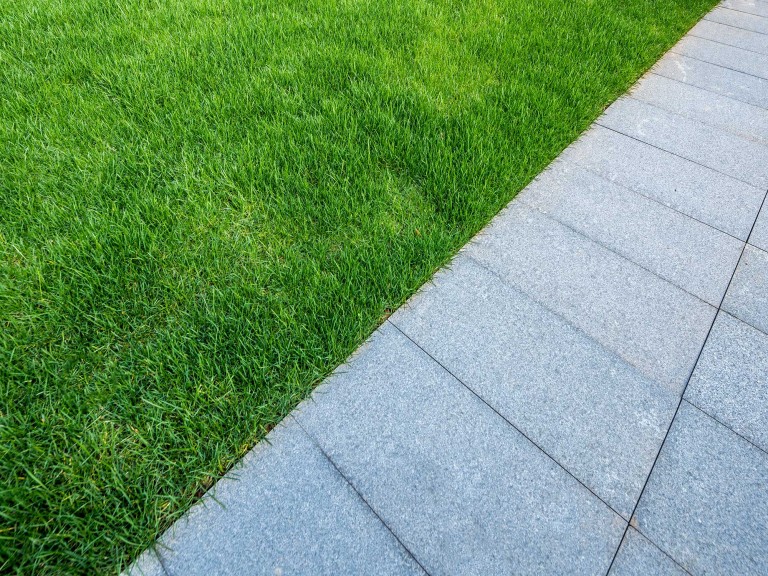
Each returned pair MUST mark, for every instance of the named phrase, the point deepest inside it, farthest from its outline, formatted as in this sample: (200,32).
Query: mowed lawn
(206,205)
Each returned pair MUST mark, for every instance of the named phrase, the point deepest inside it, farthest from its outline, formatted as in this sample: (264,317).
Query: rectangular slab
(758,7)
(460,487)
(759,236)
(747,296)
(283,510)
(723,55)
(730,381)
(705,501)
(638,556)
(733,36)
(648,321)
(599,417)
(702,193)
(691,255)
(745,120)
(739,19)
(717,149)
(749,89)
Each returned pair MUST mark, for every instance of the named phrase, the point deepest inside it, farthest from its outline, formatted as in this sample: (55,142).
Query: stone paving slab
(148,564)
(759,236)
(284,510)
(688,253)
(747,297)
(461,488)
(652,324)
(731,379)
(705,503)
(745,120)
(596,415)
(739,19)
(639,557)
(724,55)
(702,193)
(758,7)
(732,36)
(717,149)
(731,83)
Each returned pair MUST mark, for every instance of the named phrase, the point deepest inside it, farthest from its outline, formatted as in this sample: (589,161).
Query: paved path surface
(584,390)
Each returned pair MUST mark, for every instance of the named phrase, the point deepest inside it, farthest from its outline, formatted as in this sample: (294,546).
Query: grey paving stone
(148,564)
(717,149)
(759,236)
(691,255)
(723,55)
(730,381)
(747,296)
(595,414)
(639,557)
(730,35)
(651,323)
(739,20)
(743,119)
(731,83)
(714,198)
(705,501)
(284,510)
(461,488)
(758,7)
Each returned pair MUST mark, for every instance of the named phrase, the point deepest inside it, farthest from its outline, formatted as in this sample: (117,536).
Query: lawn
(206,205)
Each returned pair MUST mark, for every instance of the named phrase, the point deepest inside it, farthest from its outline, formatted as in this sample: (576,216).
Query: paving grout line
(732,26)
(731,97)
(732,315)
(629,96)
(359,494)
(672,51)
(654,72)
(500,415)
(724,425)
(682,395)
(742,12)
(673,153)
(651,198)
(692,35)
(613,251)
(660,549)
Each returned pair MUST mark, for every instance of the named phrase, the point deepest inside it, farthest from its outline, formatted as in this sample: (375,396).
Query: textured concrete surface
(731,379)
(719,79)
(638,556)
(713,198)
(705,502)
(747,297)
(582,390)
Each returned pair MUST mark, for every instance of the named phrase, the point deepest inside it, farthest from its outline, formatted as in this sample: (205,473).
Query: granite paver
(737,37)
(639,557)
(759,236)
(747,296)
(739,19)
(731,378)
(705,501)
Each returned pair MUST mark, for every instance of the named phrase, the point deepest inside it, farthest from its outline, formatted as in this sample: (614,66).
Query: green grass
(206,205)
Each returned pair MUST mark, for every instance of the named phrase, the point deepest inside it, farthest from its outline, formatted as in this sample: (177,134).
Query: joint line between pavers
(690,34)
(672,51)
(359,494)
(660,549)
(500,415)
(651,198)
(700,122)
(614,251)
(708,415)
(730,26)
(673,153)
(687,382)
(655,72)
(730,96)
(732,315)
(742,12)
(562,318)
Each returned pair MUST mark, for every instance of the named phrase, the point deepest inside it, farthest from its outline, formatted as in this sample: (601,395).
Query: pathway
(583,390)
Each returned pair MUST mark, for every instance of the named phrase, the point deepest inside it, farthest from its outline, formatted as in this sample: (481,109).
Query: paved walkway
(584,390)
